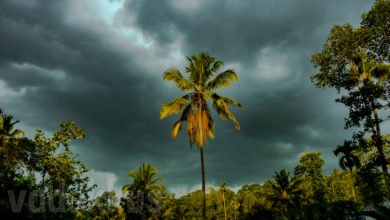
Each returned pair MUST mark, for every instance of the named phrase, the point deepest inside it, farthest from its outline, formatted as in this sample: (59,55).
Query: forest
(41,177)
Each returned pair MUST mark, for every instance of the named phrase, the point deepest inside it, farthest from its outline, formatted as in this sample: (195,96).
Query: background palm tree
(8,150)
(223,190)
(348,160)
(144,179)
(8,137)
(7,129)
(140,193)
(284,191)
(193,106)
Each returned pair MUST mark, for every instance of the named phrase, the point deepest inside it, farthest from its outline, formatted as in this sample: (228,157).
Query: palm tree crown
(144,179)
(193,106)
(7,130)
(348,159)
(284,191)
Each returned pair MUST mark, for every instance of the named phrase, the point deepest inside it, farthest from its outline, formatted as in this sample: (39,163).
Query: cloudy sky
(100,63)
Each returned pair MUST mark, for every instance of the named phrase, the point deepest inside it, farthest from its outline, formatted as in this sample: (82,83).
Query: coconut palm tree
(348,160)
(223,190)
(284,191)
(194,107)
(7,129)
(8,137)
(8,152)
(140,193)
(144,179)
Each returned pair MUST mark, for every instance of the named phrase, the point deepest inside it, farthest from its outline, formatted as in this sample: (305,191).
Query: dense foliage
(42,178)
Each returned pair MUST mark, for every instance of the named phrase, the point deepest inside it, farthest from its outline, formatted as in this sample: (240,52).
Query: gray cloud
(66,64)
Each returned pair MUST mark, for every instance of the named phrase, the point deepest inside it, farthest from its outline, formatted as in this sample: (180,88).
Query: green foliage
(142,199)
(284,192)
(355,61)
(105,207)
(376,23)
(63,181)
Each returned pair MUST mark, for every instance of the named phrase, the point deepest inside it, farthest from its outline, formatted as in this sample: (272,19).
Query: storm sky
(100,63)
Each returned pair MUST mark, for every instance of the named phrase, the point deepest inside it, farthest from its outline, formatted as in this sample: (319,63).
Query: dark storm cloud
(60,71)
(236,30)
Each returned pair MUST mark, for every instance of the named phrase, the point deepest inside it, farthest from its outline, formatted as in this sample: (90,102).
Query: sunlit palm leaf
(221,105)
(173,107)
(181,82)
(222,80)
(184,117)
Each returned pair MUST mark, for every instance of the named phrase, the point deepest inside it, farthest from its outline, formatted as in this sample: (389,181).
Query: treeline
(43,179)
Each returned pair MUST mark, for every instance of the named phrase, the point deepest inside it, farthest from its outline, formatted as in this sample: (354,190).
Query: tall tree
(193,106)
(309,171)
(355,61)
(348,160)
(222,189)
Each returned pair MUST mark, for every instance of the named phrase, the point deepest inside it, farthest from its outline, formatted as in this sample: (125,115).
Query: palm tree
(193,106)
(8,136)
(348,160)
(223,190)
(373,83)
(8,154)
(284,191)
(143,180)
(139,192)
(7,131)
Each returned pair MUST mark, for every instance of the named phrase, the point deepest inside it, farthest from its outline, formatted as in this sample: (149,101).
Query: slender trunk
(333,191)
(43,180)
(43,189)
(203,183)
(379,145)
(353,186)
(224,204)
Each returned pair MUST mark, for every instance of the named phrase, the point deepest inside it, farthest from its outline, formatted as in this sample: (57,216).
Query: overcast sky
(100,63)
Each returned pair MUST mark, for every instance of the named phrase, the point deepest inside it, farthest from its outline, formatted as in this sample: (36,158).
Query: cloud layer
(100,64)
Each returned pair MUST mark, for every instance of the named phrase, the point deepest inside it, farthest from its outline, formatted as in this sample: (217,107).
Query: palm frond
(222,80)
(381,72)
(217,64)
(202,67)
(126,188)
(194,69)
(173,107)
(210,123)
(184,117)
(181,82)
(221,105)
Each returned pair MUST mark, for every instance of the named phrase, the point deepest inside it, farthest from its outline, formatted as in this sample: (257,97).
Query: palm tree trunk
(224,204)
(203,182)
(379,145)
(353,186)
